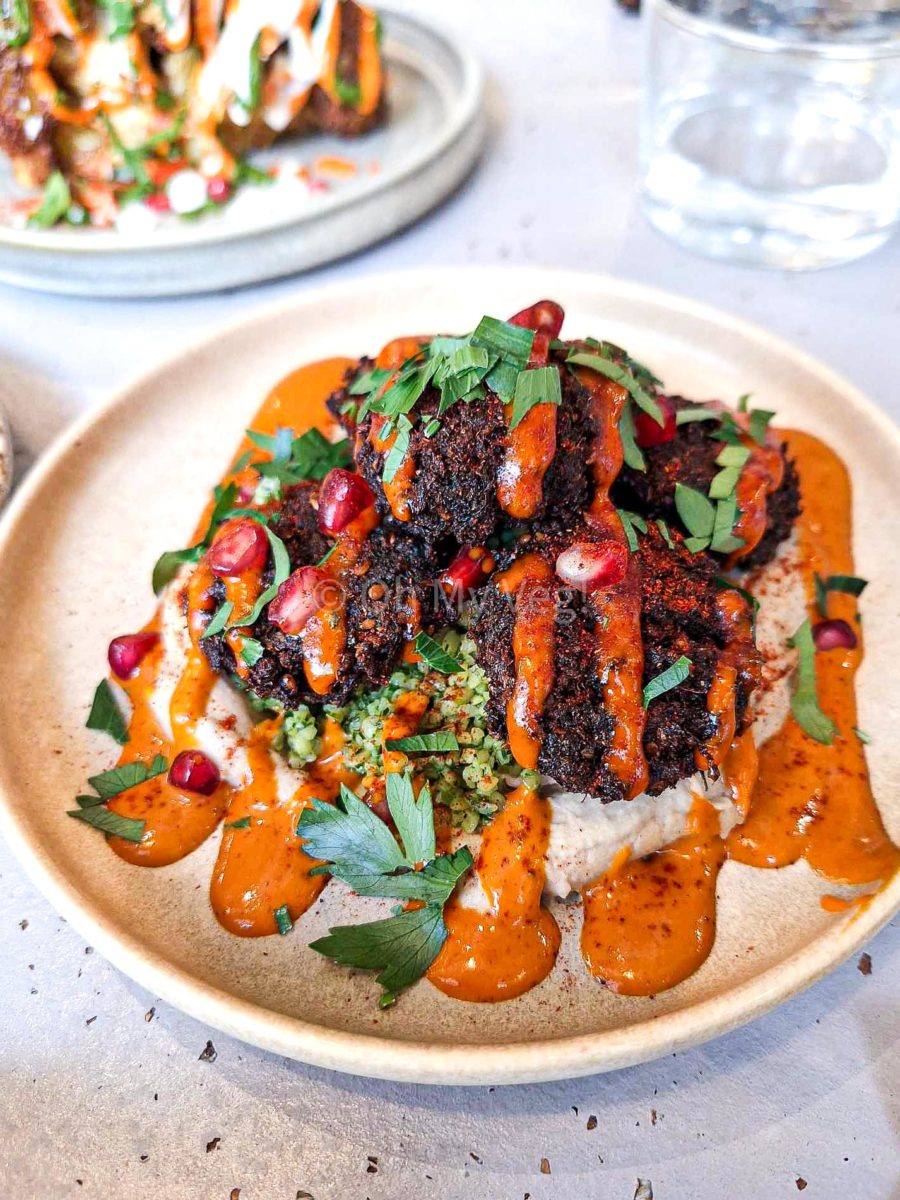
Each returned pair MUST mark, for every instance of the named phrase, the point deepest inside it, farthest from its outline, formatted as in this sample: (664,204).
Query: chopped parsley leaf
(805,702)
(540,385)
(55,204)
(850,585)
(358,848)
(119,779)
(631,524)
(106,716)
(424,743)
(283,920)
(111,823)
(674,675)
(241,823)
(219,621)
(435,655)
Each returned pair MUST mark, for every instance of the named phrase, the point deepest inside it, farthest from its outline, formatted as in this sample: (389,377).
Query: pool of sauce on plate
(652,924)
(815,801)
(649,923)
(510,947)
(177,822)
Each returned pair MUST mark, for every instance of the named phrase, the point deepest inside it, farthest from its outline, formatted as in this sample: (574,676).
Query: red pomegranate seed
(237,548)
(126,652)
(193,771)
(540,350)
(342,498)
(545,317)
(218,189)
(469,570)
(158,202)
(299,598)
(589,566)
(648,432)
(834,635)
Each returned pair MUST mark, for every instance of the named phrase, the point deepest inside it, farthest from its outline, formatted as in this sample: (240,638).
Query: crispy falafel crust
(387,595)
(690,459)
(679,615)
(454,490)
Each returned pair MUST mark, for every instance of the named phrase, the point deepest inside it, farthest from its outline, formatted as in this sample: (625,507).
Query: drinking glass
(770,132)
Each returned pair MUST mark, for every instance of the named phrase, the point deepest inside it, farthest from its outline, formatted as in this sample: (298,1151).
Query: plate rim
(467,106)
(537,1060)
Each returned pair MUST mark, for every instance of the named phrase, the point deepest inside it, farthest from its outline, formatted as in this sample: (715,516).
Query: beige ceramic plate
(76,550)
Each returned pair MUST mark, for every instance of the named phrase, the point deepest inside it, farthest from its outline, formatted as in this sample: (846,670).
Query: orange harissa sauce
(814,801)
(263,866)
(651,923)
(620,647)
(508,949)
(530,580)
(177,822)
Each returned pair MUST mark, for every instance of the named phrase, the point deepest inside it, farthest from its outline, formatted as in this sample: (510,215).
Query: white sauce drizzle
(225,79)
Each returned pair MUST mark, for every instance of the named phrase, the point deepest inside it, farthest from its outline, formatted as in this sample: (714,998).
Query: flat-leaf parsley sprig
(359,849)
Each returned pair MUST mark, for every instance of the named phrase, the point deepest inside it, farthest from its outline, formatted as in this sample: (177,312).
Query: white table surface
(102,1092)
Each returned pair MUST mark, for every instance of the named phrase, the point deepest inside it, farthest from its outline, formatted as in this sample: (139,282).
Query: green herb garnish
(732,460)
(15,22)
(106,716)
(540,385)
(282,571)
(697,512)
(435,655)
(92,810)
(358,848)
(241,823)
(439,742)
(686,416)
(805,702)
(219,621)
(849,585)
(396,455)
(349,94)
(55,204)
(668,679)
(708,524)
(622,376)
(865,738)
(119,779)
(368,382)
(283,920)
(111,823)
(121,17)
(759,424)
(295,459)
(631,451)
(632,523)
(665,532)
(251,651)
(510,342)
(245,172)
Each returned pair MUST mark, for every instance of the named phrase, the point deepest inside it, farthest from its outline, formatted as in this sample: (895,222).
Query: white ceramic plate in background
(431,139)
(76,550)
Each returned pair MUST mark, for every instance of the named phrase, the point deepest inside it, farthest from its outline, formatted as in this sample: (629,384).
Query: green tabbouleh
(471,782)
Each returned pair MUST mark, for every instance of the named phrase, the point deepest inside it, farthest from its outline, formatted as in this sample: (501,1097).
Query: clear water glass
(770,132)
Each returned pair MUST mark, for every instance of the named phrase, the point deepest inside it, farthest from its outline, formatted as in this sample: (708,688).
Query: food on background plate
(487,629)
(116,107)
